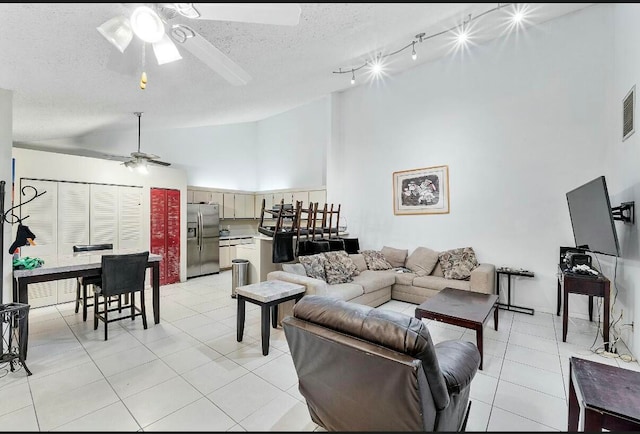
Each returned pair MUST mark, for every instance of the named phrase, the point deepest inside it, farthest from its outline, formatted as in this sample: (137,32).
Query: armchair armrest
(483,278)
(313,286)
(459,361)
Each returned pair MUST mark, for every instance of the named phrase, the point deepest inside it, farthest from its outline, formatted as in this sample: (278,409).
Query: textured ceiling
(68,81)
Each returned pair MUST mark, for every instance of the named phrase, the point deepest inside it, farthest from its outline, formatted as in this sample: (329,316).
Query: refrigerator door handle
(200,226)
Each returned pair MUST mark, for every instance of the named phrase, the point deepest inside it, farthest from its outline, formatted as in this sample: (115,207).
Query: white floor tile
(114,417)
(191,358)
(533,342)
(280,372)
(283,414)
(214,375)
(124,360)
(533,378)
(20,420)
(15,397)
(483,388)
(538,359)
(546,332)
(502,420)
(229,343)
(68,406)
(234,400)
(251,356)
(537,406)
(201,415)
(47,387)
(157,402)
(135,380)
(478,416)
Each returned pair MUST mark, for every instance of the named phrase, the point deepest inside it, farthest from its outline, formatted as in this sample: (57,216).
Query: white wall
(291,147)
(623,176)
(6,134)
(519,122)
(60,167)
(220,156)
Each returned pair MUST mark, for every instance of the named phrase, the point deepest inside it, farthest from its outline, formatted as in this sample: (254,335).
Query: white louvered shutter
(42,221)
(103,215)
(130,221)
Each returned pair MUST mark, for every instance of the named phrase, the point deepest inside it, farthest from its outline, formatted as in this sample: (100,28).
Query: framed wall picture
(421,191)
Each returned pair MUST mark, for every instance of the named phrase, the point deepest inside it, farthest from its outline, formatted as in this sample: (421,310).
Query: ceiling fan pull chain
(143,77)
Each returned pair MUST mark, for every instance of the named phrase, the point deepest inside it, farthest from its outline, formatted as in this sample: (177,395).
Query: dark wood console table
(607,394)
(598,286)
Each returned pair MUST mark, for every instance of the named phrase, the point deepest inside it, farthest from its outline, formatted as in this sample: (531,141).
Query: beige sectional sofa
(374,288)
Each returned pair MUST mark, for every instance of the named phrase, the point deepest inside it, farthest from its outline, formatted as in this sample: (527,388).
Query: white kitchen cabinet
(319,196)
(190,196)
(228,205)
(225,257)
(201,196)
(258,205)
(300,196)
(249,205)
(240,209)
(277,198)
(217,197)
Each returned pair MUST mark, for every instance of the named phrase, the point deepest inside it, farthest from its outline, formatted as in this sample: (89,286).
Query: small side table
(512,272)
(606,396)
(268,295)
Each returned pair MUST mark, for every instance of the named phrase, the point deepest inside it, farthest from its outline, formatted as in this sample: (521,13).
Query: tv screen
(591,218)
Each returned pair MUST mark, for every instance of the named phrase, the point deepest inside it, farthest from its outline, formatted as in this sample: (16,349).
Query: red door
(165,232)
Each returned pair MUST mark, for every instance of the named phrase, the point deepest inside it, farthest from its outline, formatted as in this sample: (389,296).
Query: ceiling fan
(153,23)
(140,159)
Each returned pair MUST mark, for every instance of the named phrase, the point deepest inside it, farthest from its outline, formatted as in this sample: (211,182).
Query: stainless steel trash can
(239,274)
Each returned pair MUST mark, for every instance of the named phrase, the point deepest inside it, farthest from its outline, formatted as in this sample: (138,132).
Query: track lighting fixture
(460,31)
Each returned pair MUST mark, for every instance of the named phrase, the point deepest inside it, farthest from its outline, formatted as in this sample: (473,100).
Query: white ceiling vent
(627,113)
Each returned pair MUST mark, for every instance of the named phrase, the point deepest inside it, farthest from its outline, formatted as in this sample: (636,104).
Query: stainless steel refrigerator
(203,239)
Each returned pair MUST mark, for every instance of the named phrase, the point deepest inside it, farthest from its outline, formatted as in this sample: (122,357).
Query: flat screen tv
(592,219)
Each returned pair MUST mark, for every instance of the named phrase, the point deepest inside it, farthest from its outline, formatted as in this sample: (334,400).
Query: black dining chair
(84,282)
(121,274)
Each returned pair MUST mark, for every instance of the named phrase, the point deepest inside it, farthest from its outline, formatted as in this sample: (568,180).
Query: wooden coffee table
(462,308)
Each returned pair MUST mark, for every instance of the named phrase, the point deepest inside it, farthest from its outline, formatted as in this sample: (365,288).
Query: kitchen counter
(236,237)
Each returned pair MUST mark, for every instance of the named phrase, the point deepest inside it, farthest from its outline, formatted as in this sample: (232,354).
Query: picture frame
(421,191)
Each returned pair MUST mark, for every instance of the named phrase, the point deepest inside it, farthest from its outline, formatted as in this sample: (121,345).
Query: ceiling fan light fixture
(166,51)
(147,25)
(118,31)
(187,10)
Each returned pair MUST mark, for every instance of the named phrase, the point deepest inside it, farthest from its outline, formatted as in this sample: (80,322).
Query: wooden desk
(606,395)
(80,264)
(587,285)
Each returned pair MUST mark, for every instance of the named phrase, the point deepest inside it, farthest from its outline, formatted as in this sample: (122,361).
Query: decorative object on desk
(421,191)
(27,263)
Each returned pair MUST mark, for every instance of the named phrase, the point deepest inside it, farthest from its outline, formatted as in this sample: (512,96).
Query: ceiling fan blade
(165,50)
(215,59)
(144,155)
(159,163)
(284,14)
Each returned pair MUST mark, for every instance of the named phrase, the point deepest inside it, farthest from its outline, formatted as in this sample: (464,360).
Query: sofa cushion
(294,268)
(339,268)
(458,263)
(358,260)
(405,278)
(437,270)
(395,257)
(344,291)
(314,265)
(374,280)
(439,283)
(422,261)
(375,260)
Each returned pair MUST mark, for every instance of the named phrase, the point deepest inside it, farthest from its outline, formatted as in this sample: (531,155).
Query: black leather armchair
(366,369)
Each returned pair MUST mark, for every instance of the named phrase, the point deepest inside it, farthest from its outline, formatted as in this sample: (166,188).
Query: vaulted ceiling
(69,81)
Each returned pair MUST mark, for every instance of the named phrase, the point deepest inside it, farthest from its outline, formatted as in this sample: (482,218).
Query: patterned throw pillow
(314,265)
(375,260)
(458,263)
(339,267)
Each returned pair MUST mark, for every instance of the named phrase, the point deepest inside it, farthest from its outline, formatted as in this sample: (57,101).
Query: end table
(512,272)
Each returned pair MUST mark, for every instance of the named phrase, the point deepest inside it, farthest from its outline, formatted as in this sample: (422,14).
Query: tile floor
(188,373)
